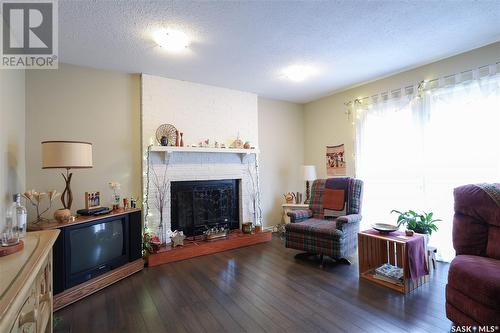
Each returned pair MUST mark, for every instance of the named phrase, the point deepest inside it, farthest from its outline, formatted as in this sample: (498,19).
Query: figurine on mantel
(177,238)
(204,143)
(238,143)
(177,138)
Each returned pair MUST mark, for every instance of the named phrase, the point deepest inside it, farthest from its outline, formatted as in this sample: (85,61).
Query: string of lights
(145,203)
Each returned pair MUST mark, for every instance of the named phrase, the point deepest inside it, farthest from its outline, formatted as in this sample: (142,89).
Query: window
(414,150)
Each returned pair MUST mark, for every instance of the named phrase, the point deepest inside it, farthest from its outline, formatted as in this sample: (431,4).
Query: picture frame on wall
(335,161)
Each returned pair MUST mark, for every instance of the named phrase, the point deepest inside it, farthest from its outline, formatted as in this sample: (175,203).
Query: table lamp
(309,175)
(66,155)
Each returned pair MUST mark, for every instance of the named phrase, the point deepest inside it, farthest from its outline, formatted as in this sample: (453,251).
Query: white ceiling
(243,45)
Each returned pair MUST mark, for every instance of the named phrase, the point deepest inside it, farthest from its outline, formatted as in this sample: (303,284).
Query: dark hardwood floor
(260,288)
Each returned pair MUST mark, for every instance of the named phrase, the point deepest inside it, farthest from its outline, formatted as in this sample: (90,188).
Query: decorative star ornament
(177,238)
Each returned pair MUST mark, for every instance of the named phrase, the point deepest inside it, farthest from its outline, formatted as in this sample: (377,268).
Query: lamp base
(62,215)
(308,193)
(67,195)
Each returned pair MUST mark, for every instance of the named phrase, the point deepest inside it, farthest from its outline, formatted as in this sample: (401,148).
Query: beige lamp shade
(309,172)
(66,154)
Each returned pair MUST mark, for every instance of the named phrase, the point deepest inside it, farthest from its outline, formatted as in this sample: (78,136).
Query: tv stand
(66,290)
(87,288)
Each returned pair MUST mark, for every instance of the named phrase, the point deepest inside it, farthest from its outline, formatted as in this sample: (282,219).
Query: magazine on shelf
(388,271)
(387,279)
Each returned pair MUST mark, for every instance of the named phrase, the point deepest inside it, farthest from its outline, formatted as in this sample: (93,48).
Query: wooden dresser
(26,285)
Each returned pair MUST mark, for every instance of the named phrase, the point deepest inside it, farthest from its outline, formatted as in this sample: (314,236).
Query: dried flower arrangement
(161,187)
(115,186)
(35,199)
(253,192)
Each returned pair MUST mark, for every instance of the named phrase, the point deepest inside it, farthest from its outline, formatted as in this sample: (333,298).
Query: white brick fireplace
(200,112)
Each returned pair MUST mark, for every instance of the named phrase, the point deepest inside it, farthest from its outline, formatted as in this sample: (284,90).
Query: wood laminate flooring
(261,288)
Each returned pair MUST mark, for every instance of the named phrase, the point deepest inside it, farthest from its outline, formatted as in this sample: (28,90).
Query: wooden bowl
(385,228)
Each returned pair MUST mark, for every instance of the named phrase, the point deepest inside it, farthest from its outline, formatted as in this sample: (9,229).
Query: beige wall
(78,103)
(103,107)
(281,142)
(326,122)
(12,137)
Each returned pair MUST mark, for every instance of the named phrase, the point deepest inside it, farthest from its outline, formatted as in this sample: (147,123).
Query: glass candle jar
(10,232)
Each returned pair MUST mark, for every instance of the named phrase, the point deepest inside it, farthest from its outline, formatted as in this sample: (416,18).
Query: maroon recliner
(473,289)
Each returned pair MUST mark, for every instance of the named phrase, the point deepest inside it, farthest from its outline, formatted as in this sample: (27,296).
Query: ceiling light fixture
(171,40)
(299,73)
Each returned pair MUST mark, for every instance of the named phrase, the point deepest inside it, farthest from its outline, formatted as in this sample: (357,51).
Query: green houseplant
(421,223)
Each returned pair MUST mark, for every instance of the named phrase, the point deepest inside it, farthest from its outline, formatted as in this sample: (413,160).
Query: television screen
(95,245)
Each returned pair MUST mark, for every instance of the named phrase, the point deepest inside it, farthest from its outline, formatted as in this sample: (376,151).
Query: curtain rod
(468,75)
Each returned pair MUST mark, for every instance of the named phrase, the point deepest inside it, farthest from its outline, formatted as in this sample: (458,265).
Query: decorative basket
(216,236)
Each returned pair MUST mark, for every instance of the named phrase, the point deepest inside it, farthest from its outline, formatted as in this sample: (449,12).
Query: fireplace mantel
(198,163)
(167,150)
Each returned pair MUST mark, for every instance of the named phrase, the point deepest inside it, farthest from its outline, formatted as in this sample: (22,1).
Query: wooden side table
(290,207)
(374,250)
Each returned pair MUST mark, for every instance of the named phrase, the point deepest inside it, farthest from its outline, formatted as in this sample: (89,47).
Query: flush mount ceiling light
(299,73)
(171,40)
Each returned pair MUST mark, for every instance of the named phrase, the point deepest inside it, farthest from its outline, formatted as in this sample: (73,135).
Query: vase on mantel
(177,138)
(182,140)
(161,234)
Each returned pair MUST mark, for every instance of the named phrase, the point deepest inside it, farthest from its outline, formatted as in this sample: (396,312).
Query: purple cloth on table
(416,257)
(415,247)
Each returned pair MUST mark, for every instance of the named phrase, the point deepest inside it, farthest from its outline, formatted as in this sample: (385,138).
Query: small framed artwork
(92,200)
(335,161)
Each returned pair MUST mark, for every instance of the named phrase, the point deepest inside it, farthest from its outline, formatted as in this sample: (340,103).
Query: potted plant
(421,223)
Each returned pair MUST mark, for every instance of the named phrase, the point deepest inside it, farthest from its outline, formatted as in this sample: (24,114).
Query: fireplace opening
(197,205)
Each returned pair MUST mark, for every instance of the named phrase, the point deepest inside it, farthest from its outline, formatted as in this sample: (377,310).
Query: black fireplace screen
(196,205)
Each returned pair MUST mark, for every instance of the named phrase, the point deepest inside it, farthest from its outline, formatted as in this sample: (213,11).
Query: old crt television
(86,250)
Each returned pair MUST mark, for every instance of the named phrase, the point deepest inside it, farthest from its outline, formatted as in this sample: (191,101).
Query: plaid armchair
(323,231)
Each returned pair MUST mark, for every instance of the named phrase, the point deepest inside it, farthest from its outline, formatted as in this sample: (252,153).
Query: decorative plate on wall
(169,131)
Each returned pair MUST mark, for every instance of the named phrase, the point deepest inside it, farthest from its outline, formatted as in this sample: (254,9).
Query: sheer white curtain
(413,150)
